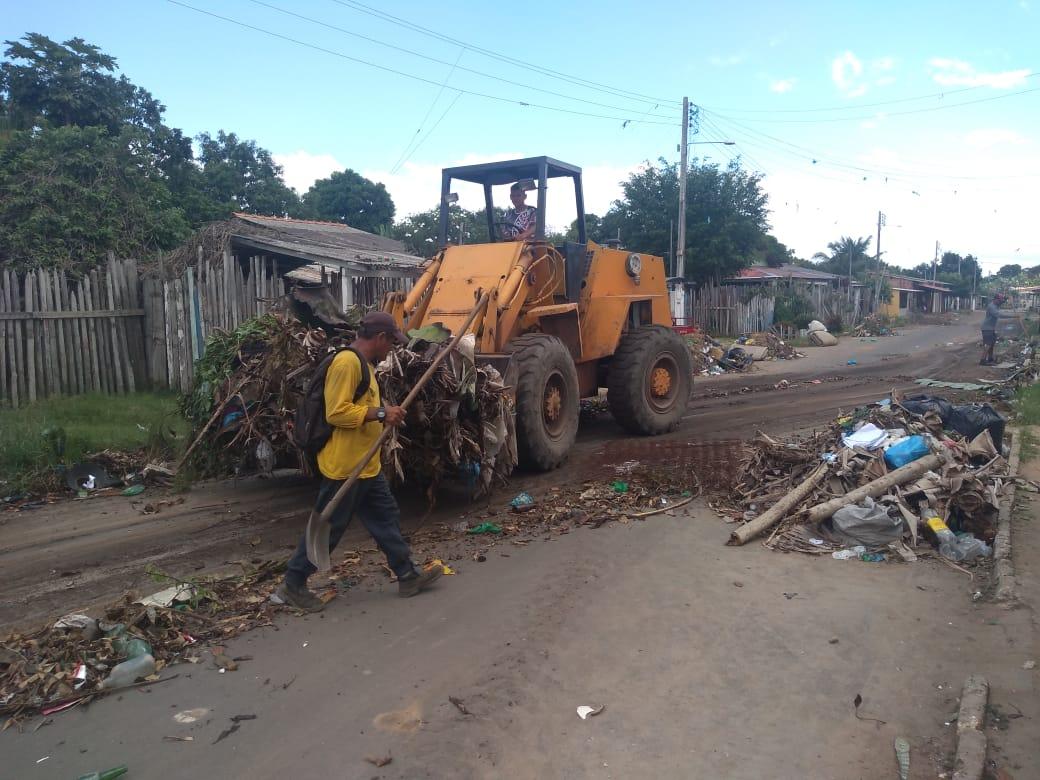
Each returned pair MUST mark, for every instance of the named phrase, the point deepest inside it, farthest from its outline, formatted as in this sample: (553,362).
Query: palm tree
(843,252)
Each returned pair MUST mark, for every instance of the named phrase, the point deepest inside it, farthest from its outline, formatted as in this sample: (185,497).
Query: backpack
(311,430)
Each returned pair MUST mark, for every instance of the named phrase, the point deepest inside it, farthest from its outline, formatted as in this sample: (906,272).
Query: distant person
(989,329)
(355,427)
(522,219)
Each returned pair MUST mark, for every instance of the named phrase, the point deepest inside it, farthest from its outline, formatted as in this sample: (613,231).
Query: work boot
(418,580)
(297,596)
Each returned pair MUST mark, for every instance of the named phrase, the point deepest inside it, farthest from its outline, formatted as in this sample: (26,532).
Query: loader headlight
(633,264)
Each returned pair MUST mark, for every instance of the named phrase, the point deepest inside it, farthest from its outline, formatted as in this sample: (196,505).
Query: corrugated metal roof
(325,243)
(786,271)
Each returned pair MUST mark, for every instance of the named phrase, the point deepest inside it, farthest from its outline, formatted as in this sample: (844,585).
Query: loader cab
(535,171)
(537,174)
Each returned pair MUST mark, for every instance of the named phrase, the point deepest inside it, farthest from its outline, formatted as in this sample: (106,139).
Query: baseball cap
(376,322)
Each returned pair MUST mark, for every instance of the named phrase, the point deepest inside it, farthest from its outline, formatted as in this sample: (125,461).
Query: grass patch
(56,431)
(1027,404)
(1030,447)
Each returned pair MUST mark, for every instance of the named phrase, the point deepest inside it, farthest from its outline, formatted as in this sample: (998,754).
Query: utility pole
(935,262)
(877,286)
(850,271)
(671,244)
(679,306)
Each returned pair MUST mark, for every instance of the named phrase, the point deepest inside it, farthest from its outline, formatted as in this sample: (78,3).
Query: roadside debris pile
(882,480)
(874,325)
(77,658)
(710,357)
(776,348)
(250,381)
(461,423)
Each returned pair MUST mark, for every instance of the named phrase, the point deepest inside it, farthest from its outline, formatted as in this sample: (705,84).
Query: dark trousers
(373,501)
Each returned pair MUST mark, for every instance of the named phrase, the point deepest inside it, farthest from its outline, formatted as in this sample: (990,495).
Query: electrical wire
(412,76)
(436,124)
(616,91)
(898,113)
(440,61)
(408,151)
(858,106)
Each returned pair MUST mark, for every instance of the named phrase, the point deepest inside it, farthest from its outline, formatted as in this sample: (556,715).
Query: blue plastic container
(906,451)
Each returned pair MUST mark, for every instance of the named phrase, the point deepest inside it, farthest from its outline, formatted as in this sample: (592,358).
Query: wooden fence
(181,313)
(59,337)
(732,310)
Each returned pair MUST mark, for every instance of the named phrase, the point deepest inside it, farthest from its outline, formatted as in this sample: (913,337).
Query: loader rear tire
(546,400)
(649,380)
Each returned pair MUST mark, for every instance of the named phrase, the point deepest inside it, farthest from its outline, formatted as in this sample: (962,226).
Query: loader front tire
(546,400)
(649,380)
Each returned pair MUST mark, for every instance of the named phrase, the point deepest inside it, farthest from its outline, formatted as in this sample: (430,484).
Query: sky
(924,111)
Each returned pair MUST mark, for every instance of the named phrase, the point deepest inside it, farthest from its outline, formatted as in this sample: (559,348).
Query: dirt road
(78,553)
(711,661)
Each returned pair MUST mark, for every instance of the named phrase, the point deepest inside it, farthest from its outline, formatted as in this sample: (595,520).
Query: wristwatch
(380,413)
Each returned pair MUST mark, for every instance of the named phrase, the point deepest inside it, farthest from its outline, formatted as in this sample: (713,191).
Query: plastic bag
(969,420)
(906,451)
(866,523)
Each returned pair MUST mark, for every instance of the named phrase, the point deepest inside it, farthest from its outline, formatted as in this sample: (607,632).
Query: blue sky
(847,109)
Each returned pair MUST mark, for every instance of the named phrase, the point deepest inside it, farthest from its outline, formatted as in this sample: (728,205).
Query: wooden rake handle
(330,507)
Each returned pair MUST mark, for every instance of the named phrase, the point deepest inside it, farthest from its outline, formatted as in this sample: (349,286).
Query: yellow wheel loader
(560,322)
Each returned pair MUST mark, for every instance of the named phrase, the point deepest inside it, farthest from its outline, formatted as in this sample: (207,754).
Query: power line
(341,55)
(898,113)
(428,58)
(858,106)
(814,157)
(408,151)
(426,137)
(616,91)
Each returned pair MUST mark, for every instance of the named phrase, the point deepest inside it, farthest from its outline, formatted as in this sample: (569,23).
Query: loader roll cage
(538,169)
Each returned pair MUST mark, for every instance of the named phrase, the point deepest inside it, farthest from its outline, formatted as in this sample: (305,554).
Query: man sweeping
(989,329)
(353,410)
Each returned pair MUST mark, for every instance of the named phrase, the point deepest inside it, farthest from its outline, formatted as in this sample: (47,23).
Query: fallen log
(878,487)
(777,512)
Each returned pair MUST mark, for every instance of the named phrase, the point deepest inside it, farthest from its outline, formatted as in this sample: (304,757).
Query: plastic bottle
(130,671)
(108,774)
(946,540)
(972,548)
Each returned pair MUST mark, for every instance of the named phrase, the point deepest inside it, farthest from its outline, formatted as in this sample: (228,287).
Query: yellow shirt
(351,435)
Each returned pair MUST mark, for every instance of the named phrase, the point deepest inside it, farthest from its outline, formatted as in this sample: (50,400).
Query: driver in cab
(520,221)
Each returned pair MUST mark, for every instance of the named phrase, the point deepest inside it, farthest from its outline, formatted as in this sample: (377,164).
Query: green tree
(420,232)
(725,216)
(239,175)
(43,83)
(836,259)
(593,229)
(1009,271)
(773,252)
(71,194)
(350,198)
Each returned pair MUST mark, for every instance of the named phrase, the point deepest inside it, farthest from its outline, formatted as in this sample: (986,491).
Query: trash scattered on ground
(819,335)
(522,502)
(485,528)
(459,705)
(379,760)
(856,705)
(874,325)
(585,711)
(133,490)
(1029,665)
(39,670)
(902,747)
(971,386)
(108,774)
(898,479)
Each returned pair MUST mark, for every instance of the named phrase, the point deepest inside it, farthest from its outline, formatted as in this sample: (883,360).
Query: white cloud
(780,86)
(300,169)
(846,71)
(417,186)
(958,73)
(987,138)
